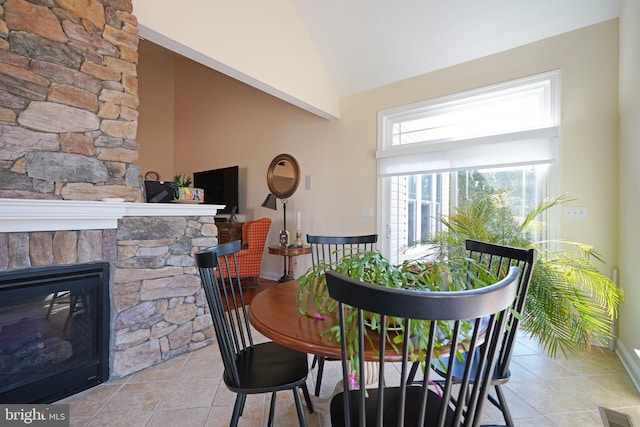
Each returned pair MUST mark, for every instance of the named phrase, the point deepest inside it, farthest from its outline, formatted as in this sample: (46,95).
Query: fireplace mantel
(22,215)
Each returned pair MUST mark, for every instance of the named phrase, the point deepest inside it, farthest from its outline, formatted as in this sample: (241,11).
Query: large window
(435,154)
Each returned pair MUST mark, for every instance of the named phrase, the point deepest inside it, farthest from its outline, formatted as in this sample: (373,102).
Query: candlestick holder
(284,238)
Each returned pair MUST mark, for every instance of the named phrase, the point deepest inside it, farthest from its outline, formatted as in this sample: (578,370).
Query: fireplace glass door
(53,331)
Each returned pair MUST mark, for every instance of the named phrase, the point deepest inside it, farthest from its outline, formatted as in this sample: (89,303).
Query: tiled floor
(188,391)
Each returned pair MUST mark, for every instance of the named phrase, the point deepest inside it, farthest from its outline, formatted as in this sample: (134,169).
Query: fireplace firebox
(54,331)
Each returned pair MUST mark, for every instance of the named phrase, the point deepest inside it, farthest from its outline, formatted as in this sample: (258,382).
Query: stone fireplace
(68,123)
(158,309)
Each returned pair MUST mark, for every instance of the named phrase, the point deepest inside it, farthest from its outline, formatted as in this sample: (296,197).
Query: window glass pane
(499,112)
(411,225)
(521,182)
(412,187)
(427,220)
(525,183)
(426,187)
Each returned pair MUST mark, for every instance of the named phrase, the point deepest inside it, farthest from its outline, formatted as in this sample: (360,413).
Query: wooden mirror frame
(283,193)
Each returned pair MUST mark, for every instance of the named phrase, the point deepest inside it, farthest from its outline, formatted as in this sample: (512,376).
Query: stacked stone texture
(68,100)
(47,248)
(160,307)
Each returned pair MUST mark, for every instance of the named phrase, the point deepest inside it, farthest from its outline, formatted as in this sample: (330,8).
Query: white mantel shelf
(22,215)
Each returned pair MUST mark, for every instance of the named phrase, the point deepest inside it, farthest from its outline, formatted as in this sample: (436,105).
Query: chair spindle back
(498,259)
(330,249)
(218,269)
(455,320)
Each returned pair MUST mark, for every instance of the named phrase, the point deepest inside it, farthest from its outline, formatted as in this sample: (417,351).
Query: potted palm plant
(569,301)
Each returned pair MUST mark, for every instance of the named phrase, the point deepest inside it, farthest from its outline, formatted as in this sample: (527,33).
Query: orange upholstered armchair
(254,236)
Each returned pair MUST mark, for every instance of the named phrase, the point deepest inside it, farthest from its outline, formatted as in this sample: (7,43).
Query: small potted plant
(184,192)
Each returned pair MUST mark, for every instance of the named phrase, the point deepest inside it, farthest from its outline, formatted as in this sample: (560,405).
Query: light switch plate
(575,212)
(367,212)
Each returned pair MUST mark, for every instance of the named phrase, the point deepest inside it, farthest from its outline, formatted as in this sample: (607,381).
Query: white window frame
(541,145)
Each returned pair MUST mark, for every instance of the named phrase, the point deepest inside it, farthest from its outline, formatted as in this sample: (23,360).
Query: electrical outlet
(575,212)
(366,212)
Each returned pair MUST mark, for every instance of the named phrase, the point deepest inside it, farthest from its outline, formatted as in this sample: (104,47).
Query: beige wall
(156,113)
(224,122)
(262,43)
(629,341)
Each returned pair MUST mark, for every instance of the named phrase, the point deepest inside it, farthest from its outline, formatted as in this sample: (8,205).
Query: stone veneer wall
(68,122)
(46,248)
(161,310)
(68,100)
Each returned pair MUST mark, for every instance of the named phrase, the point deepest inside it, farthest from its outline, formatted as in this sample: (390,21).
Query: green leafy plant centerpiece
(453,273)
(372,267)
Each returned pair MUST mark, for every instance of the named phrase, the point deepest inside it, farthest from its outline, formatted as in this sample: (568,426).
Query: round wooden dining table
(274,313)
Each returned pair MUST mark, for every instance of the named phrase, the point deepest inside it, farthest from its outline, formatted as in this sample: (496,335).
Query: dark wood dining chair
(328,250)
(454,319)
(249,368)
(497,259)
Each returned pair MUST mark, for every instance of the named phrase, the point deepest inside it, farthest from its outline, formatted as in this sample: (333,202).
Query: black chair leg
(237,409)
(319,376)
(272,409)
(301,417)
(314,361)
(307,398)
(503,407)
(412,372)
(244,400)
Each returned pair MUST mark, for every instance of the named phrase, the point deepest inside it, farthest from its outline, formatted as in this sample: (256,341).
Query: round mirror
(283,176)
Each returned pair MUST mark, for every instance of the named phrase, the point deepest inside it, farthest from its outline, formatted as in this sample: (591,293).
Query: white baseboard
(628,360)
(270,275)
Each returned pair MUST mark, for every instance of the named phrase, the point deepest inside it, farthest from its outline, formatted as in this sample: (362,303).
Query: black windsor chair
(249,368)
(329,250)
(445,404)
(497,259)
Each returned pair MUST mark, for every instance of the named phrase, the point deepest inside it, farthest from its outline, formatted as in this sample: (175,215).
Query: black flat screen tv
(220,187)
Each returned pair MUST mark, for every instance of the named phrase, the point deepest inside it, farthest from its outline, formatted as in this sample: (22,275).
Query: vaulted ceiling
(370,43)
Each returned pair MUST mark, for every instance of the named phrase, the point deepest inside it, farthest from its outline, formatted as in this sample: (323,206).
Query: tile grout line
(104,404)
(167,388)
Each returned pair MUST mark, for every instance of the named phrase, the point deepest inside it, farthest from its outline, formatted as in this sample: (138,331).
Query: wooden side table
(289,252)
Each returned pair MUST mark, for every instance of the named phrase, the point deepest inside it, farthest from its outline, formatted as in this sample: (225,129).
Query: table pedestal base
(284,278)
(322,405)
(287,253)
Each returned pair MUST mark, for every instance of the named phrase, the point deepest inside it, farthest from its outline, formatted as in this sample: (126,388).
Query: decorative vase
(189,194)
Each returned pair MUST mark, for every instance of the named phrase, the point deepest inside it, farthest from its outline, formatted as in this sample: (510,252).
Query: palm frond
(570,302)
